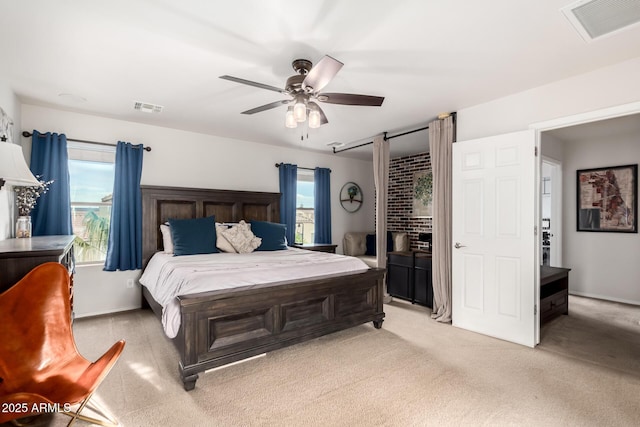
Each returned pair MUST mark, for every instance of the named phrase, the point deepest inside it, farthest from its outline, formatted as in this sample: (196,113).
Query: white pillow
(241,237)
(167,240)
(221,241)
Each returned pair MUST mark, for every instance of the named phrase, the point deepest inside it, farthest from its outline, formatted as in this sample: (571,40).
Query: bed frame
(225,326)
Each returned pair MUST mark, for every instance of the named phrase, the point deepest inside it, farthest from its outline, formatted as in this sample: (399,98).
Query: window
(91,176)
(305,205)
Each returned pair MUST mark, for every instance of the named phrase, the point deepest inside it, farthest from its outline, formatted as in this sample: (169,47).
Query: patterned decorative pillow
(167,240)
(221,241)
(241,238)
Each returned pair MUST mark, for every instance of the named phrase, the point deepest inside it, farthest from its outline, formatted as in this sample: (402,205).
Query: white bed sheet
(167,276)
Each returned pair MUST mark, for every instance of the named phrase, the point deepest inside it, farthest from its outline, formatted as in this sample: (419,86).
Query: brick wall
(400,197)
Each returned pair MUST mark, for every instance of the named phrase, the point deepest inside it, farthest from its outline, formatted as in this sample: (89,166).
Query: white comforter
(167,276)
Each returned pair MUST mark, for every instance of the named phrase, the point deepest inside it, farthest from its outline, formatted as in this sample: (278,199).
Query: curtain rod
(29,134)
(386,138)
(299,167)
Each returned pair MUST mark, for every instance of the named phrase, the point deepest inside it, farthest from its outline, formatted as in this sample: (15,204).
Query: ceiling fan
(304,89)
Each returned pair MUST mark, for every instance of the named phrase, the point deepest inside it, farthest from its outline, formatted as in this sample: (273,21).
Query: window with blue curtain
(91,177)
(49,160)
(305,207)
(124,250)
(322,208)
(288,191)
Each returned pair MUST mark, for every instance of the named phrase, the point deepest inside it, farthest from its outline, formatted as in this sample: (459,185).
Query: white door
(494,261)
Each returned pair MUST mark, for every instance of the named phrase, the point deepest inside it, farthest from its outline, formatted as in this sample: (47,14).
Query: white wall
(604,265)
(11,106)
(607,87)
(187,159)
(551,147)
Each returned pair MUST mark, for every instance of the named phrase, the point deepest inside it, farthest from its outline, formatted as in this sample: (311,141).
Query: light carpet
(412,372)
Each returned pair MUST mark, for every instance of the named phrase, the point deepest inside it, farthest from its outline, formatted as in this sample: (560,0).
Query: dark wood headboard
(161,203)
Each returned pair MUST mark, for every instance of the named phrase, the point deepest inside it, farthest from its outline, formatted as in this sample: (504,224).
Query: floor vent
(145,107)
(596,18)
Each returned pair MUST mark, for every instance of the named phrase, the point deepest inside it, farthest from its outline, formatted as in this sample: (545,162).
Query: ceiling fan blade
(350,99)
(255,84)
(321,74)
(267,106)
(323,118)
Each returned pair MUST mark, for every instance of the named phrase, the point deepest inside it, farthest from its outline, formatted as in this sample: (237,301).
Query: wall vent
(146,107)
(596,18)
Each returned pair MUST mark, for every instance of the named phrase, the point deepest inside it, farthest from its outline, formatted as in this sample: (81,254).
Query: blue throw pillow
(193,236)
(389,242)
(371,245)
(272,235)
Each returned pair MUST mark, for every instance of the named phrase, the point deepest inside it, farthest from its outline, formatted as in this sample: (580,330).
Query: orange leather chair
(40,367)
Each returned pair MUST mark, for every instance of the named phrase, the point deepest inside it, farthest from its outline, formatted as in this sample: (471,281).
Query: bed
(227,325)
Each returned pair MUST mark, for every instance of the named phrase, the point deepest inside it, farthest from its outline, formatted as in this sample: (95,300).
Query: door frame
(591,116)
(562,122)
(567,121)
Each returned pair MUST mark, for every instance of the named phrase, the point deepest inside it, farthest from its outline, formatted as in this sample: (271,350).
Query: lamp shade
(314,119)
(289,120)
(13,168)
(300,109)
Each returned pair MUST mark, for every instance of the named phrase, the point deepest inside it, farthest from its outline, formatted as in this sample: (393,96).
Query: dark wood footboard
(221,327)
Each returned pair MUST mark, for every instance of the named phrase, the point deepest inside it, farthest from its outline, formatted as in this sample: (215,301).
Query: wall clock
(351,197)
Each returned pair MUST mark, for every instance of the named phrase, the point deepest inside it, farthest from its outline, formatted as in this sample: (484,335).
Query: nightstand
(318,247)
(20,256)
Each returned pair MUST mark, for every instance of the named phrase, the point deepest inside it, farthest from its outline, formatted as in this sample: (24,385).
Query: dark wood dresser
(554,292)
(19,256)
(409,276)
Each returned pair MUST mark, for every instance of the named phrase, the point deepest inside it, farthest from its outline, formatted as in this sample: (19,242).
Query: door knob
(458,245)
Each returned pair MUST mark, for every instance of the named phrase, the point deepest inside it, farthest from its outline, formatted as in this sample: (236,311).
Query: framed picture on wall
(423,194)
(608,199)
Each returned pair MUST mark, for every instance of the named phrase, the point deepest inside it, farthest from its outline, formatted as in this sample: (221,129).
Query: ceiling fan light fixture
(314,119)
(300,109)
(305,88)
(289,119)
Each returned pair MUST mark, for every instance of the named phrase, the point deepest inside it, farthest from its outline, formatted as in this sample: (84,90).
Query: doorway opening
(599,269)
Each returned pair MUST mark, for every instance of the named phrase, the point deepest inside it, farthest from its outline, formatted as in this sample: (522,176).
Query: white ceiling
(425,57)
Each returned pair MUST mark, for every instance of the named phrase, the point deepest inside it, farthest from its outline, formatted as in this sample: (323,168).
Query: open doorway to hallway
(602,265)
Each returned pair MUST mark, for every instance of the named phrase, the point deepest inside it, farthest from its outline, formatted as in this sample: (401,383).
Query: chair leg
(108,421)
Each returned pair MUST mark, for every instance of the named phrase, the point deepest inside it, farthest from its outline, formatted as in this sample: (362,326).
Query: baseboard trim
(106,312)
(602,297)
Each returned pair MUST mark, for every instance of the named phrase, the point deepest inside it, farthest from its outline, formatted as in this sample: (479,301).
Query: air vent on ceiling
(145,107)
(596,18)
